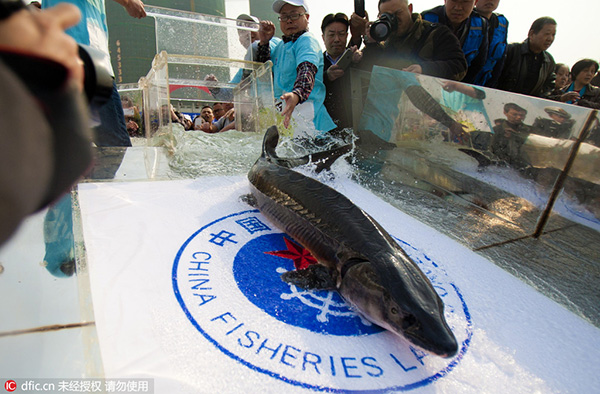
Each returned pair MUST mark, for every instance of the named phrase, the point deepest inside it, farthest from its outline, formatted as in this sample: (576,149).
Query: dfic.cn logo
(10,385)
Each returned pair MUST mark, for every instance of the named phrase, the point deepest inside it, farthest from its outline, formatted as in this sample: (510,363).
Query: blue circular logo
(257,268)
(226,278)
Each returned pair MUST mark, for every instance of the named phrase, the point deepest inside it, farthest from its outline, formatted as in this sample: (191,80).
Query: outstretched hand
(134,8)
(291,100)
(458,133)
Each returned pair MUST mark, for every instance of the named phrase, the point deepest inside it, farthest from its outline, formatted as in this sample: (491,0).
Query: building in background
(132,42)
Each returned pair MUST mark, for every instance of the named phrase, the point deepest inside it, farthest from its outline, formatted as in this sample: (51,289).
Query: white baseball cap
(249,18)
(298,3)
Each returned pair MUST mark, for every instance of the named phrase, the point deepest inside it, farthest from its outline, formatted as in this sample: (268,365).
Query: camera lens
(380,31)
(382,28)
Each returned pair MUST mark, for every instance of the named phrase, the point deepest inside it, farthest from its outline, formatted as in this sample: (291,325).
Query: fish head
(416,313)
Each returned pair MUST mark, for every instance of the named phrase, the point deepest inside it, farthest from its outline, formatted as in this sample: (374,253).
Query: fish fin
(481,158)
(250,200)
(322,160)
(315,277)
(325,159)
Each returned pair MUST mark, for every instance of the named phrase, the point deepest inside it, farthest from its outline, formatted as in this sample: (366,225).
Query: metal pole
(562,177)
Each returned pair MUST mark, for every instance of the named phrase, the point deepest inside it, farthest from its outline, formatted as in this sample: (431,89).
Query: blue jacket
(473,37)
(497,35)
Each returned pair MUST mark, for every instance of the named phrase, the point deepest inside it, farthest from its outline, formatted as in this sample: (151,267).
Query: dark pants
(112,130)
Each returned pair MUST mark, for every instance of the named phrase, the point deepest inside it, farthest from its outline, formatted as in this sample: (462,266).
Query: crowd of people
(461,40)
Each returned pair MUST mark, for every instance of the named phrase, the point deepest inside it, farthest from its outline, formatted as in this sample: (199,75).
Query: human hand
(334,72)
(414,68)
(508,131)
(291,100)
(358,24)
(132,126)
(356,54)
(450,86)
(570,96)
(458,133)
(266,31)
(43,34)
(174,117)
(207,127)
(134,8)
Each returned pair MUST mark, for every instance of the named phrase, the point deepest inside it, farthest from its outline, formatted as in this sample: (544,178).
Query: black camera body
(383,27)
(98,82)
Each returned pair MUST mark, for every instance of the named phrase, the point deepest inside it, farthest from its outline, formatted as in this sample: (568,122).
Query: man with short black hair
(417,45)
(469,27)
(529,68)
(510,135)
(205,119)
(337,79)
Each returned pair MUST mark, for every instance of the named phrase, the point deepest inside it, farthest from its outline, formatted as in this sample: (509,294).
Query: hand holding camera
(42,34)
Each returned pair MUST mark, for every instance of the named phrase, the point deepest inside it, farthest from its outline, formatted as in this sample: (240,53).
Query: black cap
(329,19)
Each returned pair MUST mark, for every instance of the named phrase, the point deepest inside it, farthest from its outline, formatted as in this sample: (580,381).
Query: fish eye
(394,310)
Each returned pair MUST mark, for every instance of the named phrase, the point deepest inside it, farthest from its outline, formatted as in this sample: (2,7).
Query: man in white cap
(297,67)
(247,37)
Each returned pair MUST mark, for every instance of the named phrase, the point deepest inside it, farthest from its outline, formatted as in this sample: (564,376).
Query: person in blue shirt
(112,131)
(469,27)
(93,31)
(497,38)
(297,69)
(581,91)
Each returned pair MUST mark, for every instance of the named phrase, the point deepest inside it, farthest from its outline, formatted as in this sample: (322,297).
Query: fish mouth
(444,345)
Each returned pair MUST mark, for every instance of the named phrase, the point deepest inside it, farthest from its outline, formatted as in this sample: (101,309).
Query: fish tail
(270,142)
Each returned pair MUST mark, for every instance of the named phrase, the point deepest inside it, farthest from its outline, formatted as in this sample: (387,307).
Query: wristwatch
(9,7)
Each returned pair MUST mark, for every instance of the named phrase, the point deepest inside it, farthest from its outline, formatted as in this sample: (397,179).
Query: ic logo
(10,385)
(226,278)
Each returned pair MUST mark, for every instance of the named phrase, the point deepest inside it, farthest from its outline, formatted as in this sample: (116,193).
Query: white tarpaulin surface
(186,290)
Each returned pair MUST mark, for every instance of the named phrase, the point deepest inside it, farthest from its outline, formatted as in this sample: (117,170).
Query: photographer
(92,31)
(43,117)
(404,41)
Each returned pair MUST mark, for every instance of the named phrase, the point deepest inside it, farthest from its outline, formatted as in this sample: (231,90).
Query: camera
(98,81)
(383,27)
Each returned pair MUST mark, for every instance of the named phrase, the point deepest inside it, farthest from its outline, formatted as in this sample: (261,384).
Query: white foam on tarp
(516,340)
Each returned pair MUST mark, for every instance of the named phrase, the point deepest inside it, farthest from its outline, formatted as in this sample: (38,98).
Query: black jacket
(431,45)
(338,96)
(590,98)
(472,35)
(514,73)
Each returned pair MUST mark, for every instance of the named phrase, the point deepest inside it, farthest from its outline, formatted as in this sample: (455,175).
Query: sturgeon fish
(356,256)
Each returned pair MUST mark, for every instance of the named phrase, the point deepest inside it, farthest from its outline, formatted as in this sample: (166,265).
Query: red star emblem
(302,257)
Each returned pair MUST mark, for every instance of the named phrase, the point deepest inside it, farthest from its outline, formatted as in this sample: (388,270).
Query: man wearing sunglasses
(297,68)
